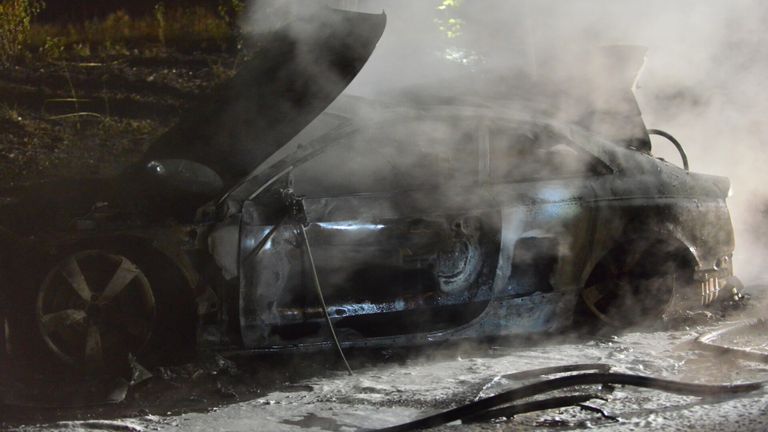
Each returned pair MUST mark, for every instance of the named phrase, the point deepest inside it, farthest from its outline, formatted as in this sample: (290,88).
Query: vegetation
(15,26)
(182,28)
(85,96)
(160,16)
(446,21)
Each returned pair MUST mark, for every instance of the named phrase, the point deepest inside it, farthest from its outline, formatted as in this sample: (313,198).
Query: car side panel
(374,254)
(547,233)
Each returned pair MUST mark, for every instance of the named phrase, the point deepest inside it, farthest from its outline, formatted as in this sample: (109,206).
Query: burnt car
(439,214)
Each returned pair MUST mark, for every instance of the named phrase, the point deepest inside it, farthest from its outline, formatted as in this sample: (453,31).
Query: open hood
(295,74)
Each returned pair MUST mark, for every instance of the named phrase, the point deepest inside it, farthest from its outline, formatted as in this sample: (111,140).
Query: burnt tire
(95,309)
(174,339)
(94,306)
(634,284)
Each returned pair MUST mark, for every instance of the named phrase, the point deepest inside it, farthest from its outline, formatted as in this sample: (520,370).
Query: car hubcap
(95,308)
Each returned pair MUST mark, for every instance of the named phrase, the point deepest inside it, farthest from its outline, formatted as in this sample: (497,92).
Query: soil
(93,116)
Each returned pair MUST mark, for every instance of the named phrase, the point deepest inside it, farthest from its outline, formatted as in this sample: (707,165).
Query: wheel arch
(667,244)
(158,252)
(672,239)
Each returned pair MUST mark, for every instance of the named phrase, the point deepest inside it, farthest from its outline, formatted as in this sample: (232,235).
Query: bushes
(159,27)
(15,26)
(119,32)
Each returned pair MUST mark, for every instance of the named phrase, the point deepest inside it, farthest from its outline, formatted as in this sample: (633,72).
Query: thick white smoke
(703,79)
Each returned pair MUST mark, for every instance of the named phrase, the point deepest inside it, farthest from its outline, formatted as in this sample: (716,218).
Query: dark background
(82,10)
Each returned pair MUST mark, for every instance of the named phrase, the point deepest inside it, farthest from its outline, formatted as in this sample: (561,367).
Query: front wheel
(95,308)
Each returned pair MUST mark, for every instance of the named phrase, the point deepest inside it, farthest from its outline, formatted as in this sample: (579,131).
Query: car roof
(348,113)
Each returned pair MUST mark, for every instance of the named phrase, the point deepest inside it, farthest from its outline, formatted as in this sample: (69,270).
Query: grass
(119,33)
(10,113)
(160,29)
(87,97)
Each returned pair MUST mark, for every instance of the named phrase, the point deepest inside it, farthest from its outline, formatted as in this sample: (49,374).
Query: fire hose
(488,408)
(707,341)
(485,408)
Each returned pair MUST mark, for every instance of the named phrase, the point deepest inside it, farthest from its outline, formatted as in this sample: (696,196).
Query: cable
(675,142)
(476,408)
(322,298)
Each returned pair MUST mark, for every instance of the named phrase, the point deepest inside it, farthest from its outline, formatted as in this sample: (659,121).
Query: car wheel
(624,302)
(635,283)
(95,308)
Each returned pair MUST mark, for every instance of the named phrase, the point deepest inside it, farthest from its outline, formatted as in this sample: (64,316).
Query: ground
(290,393)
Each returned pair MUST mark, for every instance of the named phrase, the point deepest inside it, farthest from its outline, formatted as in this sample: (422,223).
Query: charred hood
(295,73)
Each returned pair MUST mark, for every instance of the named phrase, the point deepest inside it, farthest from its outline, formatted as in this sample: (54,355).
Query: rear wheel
(635,283)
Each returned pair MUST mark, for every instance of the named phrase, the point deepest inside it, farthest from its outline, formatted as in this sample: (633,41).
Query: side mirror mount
(184,176)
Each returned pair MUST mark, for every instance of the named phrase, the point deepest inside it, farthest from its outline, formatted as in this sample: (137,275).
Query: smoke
(702,82)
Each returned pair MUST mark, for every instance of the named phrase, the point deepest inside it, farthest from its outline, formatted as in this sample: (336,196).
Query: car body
(422,220)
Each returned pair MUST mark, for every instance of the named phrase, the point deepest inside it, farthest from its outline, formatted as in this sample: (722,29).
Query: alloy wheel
(95,308)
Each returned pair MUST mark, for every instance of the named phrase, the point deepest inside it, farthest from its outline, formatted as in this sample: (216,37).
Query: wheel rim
(624,296)
(600,298)
(95,308)
(623,302)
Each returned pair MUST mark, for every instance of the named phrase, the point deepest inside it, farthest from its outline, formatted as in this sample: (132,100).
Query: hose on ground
(551,370)
(707,341)
(474,409)
(528,407)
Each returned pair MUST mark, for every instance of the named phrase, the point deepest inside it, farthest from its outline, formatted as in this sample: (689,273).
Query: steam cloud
(703,80)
